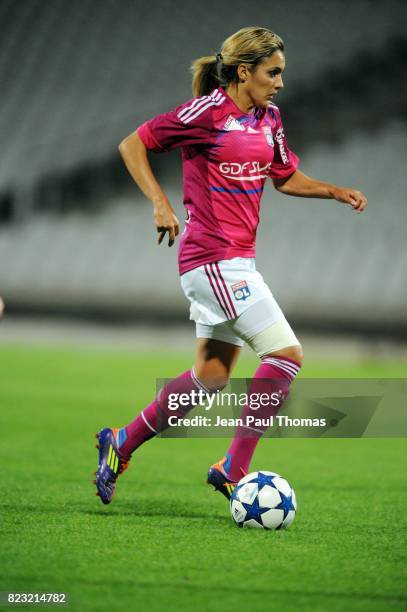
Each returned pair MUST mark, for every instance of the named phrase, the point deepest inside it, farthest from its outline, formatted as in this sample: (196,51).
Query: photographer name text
(249,421)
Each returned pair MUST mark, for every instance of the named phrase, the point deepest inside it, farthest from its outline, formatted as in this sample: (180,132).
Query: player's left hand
(355,198)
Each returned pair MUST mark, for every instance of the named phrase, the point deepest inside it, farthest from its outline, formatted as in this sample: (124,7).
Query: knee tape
(275,337)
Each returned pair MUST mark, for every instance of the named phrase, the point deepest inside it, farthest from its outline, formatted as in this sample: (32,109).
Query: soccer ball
(264,500)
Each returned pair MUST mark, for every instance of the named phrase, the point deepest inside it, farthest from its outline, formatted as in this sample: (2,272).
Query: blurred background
(77,243)
(94,313)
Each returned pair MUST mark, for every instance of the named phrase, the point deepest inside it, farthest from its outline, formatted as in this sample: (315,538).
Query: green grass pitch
(167,541)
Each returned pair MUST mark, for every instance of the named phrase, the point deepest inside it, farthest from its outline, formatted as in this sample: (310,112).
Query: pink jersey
(227,156)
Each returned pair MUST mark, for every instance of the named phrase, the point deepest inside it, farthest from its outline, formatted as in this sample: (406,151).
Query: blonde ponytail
(204,77)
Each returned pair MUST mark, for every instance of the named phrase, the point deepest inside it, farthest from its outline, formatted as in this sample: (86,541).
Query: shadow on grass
(201,517)
(140,508)
(146,511)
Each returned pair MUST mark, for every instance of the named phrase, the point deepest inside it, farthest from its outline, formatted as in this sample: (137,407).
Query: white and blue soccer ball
(264,500)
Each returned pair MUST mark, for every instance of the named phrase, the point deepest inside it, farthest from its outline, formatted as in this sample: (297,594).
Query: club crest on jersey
(241,290)
(268,134)
(232,124)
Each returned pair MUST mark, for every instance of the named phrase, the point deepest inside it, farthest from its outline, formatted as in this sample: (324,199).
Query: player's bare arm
(301,185)
(134,154)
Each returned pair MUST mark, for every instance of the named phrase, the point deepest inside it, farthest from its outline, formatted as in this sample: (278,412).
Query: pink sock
(154,419)
(274,375)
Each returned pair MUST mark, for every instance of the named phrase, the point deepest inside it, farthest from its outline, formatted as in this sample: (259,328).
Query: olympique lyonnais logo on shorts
(241,290)
(268,134)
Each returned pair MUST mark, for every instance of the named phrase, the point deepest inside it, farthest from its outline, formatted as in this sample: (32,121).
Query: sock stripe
(252,428)
(198,382)
(283,366)
(289,364)
(147,423)
(278,361)
(284,369)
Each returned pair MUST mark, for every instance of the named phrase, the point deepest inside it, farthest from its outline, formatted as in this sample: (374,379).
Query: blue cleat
(218,478)
(111,464)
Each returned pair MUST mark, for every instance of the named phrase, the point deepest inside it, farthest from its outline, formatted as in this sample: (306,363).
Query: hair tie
(219,69)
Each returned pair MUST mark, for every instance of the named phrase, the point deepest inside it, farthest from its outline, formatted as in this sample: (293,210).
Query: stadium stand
(78,76)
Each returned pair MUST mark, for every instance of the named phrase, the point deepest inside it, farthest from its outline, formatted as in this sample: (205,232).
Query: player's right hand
(166,221)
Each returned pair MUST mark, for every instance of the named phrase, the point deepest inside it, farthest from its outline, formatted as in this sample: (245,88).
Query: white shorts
(231,302)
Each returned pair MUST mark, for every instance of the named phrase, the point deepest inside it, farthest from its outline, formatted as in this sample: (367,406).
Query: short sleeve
(285,161)
(189,124)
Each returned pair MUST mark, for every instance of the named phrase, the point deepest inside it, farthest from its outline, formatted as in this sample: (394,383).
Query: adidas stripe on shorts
(231,302)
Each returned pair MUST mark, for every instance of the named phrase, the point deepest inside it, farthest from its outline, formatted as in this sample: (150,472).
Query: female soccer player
(232,140)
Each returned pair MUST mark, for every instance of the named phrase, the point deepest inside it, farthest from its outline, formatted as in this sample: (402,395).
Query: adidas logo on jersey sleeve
(232,124)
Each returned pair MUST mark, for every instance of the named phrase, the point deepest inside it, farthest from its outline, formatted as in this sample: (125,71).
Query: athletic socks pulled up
(273,376)
(154,419)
